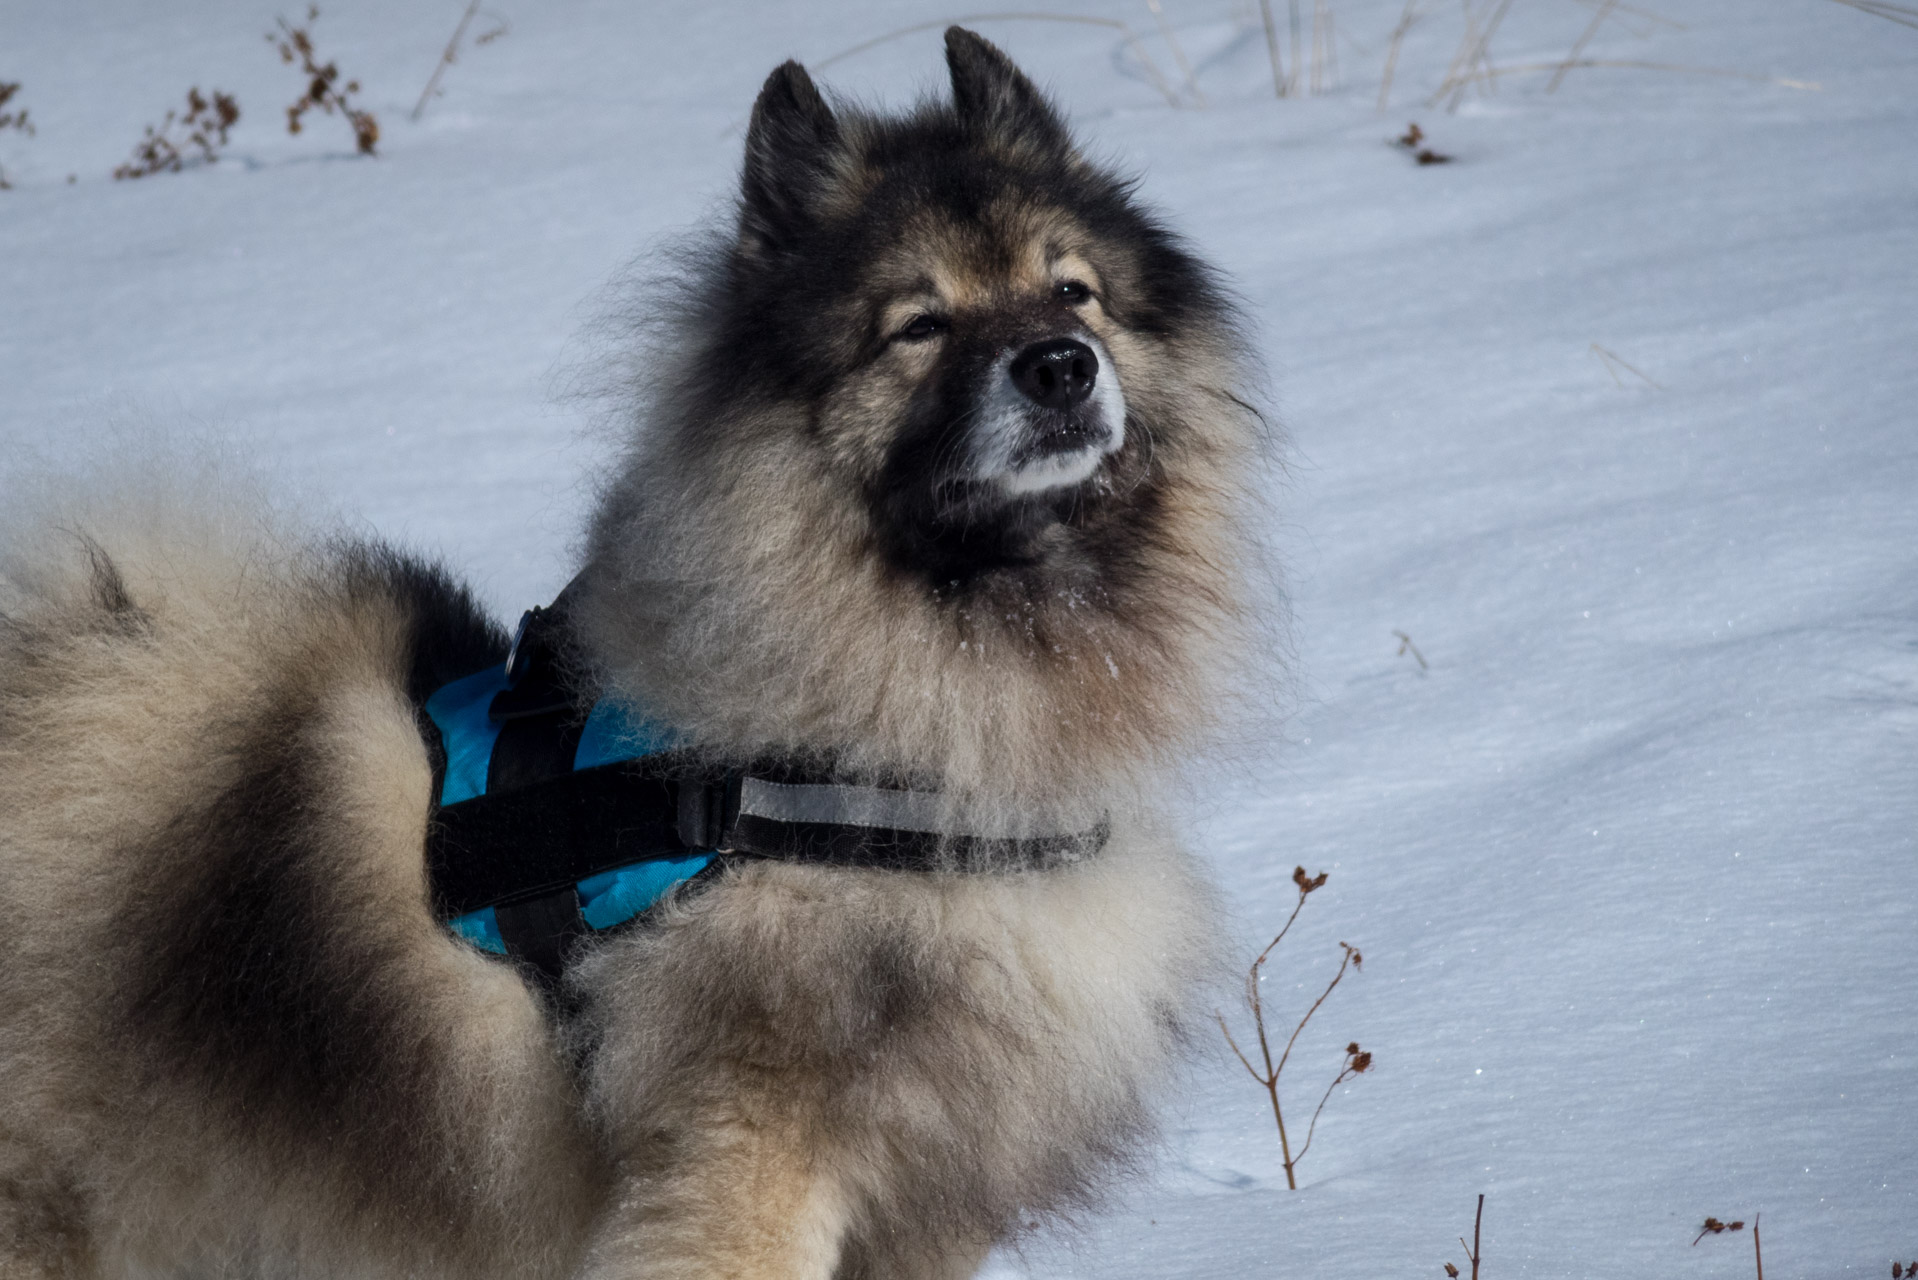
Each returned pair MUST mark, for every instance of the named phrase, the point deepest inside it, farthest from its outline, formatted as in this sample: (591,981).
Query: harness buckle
(520,656)
(707,811)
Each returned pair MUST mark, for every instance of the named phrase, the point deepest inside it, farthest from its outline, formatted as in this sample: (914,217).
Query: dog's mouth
(1042,483)
(1050,414)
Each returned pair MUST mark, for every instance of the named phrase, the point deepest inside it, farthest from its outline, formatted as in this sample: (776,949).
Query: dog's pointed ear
(993,95)
(789,155)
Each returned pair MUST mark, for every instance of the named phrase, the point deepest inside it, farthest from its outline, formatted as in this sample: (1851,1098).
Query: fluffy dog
(939,476)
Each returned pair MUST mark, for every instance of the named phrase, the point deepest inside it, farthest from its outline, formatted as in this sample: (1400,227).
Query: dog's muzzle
(1051,413)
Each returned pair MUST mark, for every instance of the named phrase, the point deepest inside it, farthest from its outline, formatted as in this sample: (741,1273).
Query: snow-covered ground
(1634,864)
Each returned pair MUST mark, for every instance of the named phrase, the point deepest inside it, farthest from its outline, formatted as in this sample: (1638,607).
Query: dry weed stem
(325,90)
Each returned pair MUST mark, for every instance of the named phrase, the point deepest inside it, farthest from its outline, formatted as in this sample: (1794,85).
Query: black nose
(1056,374)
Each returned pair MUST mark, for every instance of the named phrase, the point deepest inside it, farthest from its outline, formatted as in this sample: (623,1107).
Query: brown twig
(1473,50)
(1714,1227)
(1529,68)
(1571,59)
(451,55)
(1272,48)
(1356,1062)
(1406,20)
(1903,15)
(1477,1219)
(1171,39)
(16,120)
(1352,957)
(1651,19)
(204,126)
(446,59)
(1130,37)
(1405,642)
(1609,358)
(1472,1250)
(1324,48)
(1757,1252)
(324,89)
(1292,75)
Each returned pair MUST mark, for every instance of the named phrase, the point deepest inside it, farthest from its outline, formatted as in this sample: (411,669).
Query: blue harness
(559,819)
(468,734)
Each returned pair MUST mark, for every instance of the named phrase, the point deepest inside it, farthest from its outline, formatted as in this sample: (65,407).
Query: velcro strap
(514,845)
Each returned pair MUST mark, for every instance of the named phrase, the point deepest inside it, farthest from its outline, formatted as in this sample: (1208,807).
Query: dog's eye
(1071,292)
(921,327)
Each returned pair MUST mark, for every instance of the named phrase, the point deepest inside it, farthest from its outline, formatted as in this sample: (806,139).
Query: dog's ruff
(236,1034)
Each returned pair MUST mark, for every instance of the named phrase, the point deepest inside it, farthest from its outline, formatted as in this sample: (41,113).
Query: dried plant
(1298,79)
(1908,1269)
(203,129)
(1406,20)
(15,119)
(1474,51)
(324,88)
(1126,33)
(1325,48)
(1413,140)
(1292,76)
(1405,642)
(18,117)
(1356,1062)
(451,55)
(1472,1253)
(1713,1227)
(1171,38)
(1902,14)
(1571,59)
(1472,63)
(1272,48)
(1613,362)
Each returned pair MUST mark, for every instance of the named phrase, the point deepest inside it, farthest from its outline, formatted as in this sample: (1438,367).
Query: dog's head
(986,338)
(943,458)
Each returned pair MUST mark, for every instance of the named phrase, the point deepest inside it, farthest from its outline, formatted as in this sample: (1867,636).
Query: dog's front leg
(740,1197)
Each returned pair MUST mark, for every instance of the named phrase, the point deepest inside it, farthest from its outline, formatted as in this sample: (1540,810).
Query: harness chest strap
(556,820)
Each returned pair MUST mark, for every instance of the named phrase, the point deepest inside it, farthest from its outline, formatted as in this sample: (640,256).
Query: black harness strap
(541,826)
(543,931)
(550,835)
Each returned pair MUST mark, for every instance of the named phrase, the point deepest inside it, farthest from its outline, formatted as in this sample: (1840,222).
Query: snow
(1633,863)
